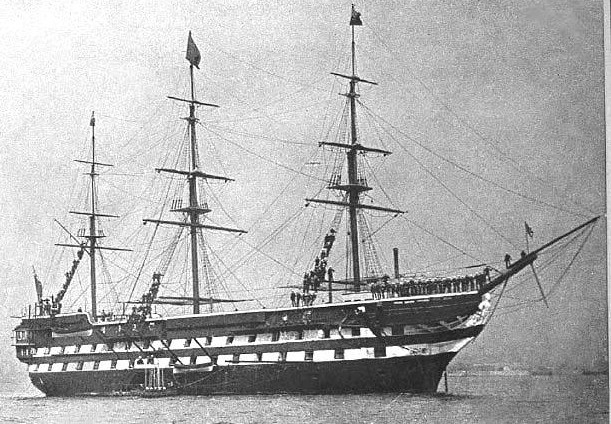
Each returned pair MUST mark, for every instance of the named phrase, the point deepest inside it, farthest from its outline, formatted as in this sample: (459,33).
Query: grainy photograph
(321,212)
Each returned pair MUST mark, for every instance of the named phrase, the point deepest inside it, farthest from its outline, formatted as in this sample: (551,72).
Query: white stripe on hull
(245,359)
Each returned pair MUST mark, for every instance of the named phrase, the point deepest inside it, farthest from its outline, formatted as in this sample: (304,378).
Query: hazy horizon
(512,90)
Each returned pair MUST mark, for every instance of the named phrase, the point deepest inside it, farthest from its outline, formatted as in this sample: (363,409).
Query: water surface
(471,399)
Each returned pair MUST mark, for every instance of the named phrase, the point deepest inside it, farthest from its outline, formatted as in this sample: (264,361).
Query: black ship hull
(412,374)
(407,374)
(387,345)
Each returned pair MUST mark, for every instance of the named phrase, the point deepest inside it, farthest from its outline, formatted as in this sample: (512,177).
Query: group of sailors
(313,279)
(384,288)
(48,307)
(70,273)
(402,288)
(142,312)
(53,306)
(305,299)
(150,359)
(106,316)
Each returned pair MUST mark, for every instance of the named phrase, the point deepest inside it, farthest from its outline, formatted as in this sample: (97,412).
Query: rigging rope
(296,82)
(372,261)
(464,169)
(520,305)
(429,232)
(231,273)
(460,200)
(263,157)
(515,164)
(566,270)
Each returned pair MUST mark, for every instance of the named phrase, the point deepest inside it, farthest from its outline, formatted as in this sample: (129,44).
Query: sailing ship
(385,332)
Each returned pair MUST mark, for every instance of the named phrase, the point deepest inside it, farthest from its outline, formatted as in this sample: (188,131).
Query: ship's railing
(42,309)
(31,311)
(404,287)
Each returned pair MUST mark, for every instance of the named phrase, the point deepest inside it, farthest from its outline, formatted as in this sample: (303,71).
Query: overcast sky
(510,90)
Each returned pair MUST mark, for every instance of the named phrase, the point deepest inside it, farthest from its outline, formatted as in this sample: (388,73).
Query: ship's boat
(370,331)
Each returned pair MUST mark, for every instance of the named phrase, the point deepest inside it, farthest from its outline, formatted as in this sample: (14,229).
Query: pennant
(529,231)
(38,285)
(355,19)
(193,55)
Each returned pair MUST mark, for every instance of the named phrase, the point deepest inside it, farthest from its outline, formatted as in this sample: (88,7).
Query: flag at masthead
(193,55)
(355,18)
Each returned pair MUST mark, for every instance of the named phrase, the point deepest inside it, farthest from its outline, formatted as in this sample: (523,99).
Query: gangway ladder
(154,379)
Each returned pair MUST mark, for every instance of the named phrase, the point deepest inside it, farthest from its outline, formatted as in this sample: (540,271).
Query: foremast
(195,209)
(93,235)
(355,185)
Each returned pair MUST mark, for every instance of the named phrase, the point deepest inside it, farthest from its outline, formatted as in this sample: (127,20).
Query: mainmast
(355,185)
(195,209)
(193,201)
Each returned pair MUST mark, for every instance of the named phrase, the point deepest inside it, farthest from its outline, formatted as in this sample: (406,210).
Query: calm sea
(471,399)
